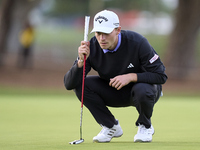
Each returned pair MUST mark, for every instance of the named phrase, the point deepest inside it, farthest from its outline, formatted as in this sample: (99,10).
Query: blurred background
(39,38)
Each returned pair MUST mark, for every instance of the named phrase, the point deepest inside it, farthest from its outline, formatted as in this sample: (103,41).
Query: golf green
(50,121)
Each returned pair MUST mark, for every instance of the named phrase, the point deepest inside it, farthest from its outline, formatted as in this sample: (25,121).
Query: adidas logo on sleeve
(130,65)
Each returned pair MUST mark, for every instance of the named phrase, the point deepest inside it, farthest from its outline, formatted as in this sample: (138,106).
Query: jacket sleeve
(153,68)
(74,76)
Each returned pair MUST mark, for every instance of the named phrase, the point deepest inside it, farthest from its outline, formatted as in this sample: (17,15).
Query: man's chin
(103,47)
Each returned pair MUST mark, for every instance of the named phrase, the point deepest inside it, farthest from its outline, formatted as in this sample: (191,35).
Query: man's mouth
(103,43)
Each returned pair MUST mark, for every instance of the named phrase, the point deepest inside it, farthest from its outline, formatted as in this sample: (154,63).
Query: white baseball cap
(105,21)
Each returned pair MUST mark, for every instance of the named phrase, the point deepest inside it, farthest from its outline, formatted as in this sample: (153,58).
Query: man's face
(108,41)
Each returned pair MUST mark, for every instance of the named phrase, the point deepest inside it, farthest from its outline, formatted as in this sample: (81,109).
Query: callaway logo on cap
(105,21)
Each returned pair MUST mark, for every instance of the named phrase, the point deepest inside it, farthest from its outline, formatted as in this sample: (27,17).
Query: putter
(87,20)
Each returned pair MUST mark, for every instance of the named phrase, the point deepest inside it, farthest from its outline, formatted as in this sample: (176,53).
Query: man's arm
(153,69)
(152,66)
(74,76)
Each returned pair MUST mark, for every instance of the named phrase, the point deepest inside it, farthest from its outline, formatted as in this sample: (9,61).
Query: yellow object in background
(27,36)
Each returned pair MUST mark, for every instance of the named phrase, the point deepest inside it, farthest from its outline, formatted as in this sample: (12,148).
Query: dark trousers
(98,95)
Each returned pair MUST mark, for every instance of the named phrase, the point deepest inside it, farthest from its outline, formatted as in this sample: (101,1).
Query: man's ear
(118,30)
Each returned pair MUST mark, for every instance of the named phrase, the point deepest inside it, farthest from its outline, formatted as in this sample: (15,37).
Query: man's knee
(88,84)
(141,92)
(78,91)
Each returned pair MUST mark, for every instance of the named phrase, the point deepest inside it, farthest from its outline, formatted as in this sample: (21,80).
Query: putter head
(76,142)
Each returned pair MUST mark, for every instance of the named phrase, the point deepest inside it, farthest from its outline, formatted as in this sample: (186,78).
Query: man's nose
(102,36)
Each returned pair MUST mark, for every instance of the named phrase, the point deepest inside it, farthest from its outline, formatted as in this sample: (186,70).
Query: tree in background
(13,14)
(181,51)
(5,23)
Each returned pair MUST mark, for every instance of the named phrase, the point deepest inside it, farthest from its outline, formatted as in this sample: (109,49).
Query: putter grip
(87,20)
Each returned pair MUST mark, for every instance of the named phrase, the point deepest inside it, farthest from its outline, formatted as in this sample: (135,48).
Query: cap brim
(103,30)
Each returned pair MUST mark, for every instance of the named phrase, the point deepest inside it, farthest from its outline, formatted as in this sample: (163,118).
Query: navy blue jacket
(135,55)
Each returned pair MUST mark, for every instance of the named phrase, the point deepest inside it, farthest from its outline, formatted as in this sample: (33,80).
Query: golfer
(130,73)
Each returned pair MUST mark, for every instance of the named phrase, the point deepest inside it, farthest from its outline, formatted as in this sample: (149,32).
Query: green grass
(49,120)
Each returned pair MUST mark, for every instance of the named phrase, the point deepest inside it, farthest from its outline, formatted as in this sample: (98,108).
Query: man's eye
(99,33)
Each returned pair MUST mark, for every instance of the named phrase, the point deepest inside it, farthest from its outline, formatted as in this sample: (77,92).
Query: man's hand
(84,49)
(122,80)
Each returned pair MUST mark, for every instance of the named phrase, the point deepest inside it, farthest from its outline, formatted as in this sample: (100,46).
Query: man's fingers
(119,87)
(114,83)
(87,43)
(84,49)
